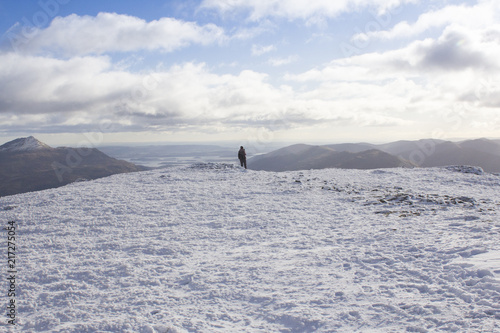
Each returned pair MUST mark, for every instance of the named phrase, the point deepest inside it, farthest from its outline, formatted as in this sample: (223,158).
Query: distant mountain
(302,157)
(406,149)
(353,147)
(23,145)
(27,164)
(432,153)
(466,153)
(483,153)
(484,145)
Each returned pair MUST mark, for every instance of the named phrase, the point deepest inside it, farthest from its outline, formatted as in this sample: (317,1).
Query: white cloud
(77,95)
(110,32)
(418,86)
(85,91)
(276,62)
(28,83)
(312,10)
(258,50)
(456,51)
(479,16)
(390,89)
(253,31)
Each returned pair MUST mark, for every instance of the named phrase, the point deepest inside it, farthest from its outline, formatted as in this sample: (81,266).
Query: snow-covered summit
(217,248)
(23,144)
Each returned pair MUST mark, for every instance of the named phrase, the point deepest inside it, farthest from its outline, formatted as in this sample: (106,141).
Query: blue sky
(249,71)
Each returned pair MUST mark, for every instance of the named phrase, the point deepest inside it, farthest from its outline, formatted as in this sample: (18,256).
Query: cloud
(456,51)
(479,16)
(276,62)
(82,92)
(31,84)
(47,95)
(311,11)
(387,89)
(390,89)
(453,51)
(110,32)
(422,82)
(258,50)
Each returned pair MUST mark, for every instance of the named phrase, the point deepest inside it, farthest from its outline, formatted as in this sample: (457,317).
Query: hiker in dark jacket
(243,157)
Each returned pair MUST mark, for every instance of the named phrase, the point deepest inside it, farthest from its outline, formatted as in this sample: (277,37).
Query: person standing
(242,155)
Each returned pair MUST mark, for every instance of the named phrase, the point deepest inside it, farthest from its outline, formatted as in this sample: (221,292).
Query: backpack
(241,154)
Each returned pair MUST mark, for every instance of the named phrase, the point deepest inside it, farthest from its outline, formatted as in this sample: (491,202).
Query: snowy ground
(214,248)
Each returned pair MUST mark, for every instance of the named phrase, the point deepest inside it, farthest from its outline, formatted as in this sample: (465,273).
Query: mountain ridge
(27,165)
(483,153)
(302,157)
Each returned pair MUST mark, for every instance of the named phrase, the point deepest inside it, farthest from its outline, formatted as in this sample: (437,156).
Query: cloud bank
(65,79)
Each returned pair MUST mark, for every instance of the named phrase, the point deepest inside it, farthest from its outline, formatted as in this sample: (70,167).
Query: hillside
(304,157)
(450,153)
(487,146)
(423,153)
(334,250)
(27,165)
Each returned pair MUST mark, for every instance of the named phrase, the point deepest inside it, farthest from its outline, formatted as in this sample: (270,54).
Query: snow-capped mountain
(27,165)
(23,145)
(215,248)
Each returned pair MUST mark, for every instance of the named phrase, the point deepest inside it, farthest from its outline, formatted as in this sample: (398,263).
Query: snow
(488,263)
(23,145)
(216,248)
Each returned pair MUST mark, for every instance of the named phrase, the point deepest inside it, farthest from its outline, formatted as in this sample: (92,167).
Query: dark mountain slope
(42,168)
(484,145)
(352,147)
(374,159)
(405,149)
(303,157)
(449,153)
(483,153)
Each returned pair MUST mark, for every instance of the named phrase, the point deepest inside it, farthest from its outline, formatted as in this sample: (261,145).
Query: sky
(249,71)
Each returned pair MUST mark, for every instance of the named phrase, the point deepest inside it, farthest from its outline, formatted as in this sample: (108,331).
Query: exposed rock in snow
(466,169)
(213,166)
(23,144)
